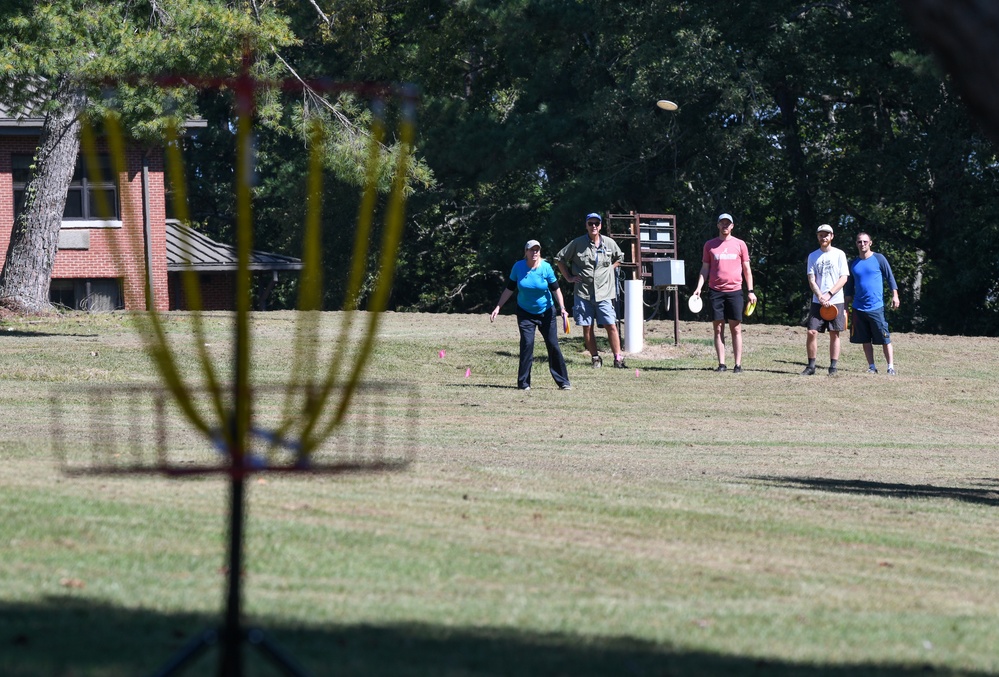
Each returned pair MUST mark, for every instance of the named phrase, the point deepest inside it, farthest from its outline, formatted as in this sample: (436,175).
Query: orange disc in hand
(828,313)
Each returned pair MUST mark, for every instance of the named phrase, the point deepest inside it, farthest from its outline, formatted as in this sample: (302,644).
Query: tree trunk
(787,102)
(24,281)
(964,34)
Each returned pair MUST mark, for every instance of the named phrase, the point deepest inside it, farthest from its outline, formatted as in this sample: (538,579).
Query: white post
(634,316)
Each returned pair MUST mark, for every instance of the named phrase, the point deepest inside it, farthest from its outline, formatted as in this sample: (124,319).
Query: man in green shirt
(589,262)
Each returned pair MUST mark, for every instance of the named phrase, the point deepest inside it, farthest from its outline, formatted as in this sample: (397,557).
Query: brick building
(104,259)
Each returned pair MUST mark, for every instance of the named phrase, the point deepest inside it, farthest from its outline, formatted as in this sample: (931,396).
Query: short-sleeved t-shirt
(827,267)
(593,264)
(533,293)
(867,282)
(725,259)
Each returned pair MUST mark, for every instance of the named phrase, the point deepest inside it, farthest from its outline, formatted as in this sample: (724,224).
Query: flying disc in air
(694,303)
(750,308)
(666,105)
(828,313)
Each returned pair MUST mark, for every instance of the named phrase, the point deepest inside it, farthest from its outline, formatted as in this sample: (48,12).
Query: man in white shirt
(828,272)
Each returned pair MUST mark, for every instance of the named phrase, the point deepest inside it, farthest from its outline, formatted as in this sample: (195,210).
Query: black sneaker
(720,368)
(597,362)
(738,369)
(809,371)
(619,364)
(832,371)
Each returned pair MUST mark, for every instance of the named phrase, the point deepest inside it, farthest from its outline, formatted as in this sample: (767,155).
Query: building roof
(27,118)
(187,249)
(14,120)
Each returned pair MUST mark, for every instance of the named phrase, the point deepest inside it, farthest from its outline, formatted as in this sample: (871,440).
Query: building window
(88,198)
(62,293)
(94,295)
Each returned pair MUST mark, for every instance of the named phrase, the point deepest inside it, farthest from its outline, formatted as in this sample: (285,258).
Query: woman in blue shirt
(534,281)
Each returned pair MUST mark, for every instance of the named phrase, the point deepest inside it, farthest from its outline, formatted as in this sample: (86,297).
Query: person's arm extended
(890,277)
(702,277)
(504,297)
(747,274)
(557,293)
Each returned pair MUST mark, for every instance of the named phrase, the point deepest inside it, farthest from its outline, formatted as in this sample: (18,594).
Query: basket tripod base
(231,648)
(232,635)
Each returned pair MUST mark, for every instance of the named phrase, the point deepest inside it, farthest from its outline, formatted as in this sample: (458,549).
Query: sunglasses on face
(863,241)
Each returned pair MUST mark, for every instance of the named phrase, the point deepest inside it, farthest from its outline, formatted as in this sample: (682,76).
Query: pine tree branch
(326,20)
(315,97)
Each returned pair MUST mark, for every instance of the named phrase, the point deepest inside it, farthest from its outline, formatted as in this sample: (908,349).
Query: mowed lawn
(656,520)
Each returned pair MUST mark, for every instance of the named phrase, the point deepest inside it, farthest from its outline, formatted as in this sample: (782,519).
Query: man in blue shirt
(868,274)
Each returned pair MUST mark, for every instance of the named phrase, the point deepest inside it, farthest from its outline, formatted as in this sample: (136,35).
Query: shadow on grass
(799,363)
(542,359)
(710,370)
(651,367)
(64,636)
(483,385)
(18,333)
(537,359)
(820,369)
(984,496)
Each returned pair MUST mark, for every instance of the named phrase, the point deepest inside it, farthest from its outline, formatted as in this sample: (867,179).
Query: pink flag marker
(636,373)
(468,372)
(441,354)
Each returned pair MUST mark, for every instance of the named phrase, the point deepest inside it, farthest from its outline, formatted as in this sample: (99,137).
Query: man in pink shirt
(724,266)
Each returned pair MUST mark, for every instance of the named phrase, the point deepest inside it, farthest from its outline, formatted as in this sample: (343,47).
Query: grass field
(669,521)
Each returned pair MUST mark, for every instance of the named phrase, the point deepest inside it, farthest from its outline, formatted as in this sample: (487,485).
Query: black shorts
(726,305)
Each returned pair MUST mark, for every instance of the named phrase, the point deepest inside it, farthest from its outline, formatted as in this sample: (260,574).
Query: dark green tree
(791,115)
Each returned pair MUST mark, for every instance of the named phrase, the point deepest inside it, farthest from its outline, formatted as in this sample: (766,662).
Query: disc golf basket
(323,419)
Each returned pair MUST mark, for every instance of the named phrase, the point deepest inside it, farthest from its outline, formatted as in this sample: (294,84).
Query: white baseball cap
(726,216)
(824,228)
